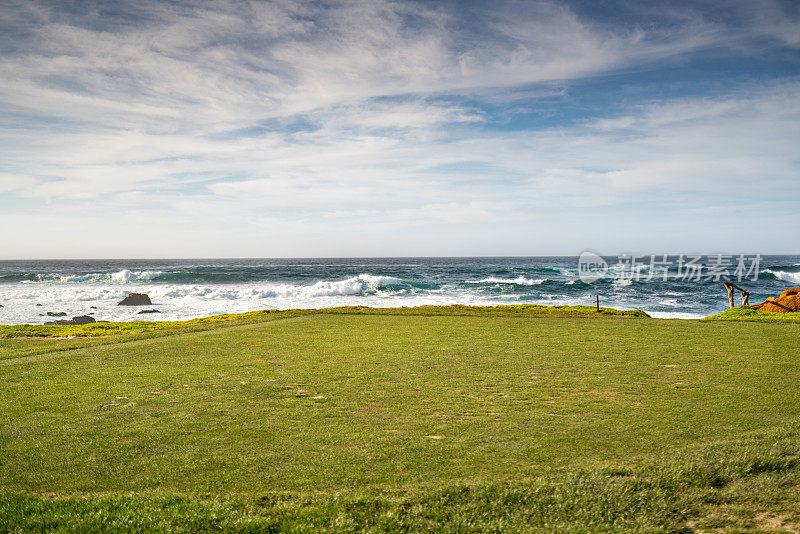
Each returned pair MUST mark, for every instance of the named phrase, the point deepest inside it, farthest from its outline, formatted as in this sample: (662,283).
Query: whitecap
(520,281)
(121,277)
(675,315)
(784,276)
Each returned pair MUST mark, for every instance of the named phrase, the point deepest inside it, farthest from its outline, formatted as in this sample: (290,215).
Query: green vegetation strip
(109,328)
(749,314)
(128,327)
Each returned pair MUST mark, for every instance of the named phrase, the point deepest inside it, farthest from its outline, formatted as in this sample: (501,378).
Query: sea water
(185,289)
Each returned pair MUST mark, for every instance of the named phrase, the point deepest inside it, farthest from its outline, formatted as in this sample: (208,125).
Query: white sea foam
(362,284)
(124,276)
(184,301)
(78,295)
(675,315)
(784,276)
(520,281)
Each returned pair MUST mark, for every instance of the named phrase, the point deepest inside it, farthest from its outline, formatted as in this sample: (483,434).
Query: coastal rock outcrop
(56,314)
(149,311)
(81,319)
(788,301)
(135,299)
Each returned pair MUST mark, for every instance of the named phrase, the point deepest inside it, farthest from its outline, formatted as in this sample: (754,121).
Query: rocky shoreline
(133,299)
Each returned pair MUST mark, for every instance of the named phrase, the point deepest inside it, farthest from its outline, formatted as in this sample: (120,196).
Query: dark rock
(92,307)
(56,314)
(38,304)
(136,299)
(149,311)
(81,319)
(1,305)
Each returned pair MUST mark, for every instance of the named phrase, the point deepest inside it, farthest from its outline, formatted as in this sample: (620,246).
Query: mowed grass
(748,484)
(393,421)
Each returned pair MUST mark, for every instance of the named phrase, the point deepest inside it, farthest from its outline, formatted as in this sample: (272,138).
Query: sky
(152,129)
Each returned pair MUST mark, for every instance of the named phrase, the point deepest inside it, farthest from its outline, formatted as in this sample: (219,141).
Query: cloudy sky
(376,128)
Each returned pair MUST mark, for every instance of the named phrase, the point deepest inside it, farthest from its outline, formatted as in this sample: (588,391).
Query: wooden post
(745,294)
(597,297)
(729,287)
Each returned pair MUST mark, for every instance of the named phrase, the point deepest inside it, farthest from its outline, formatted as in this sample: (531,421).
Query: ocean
(184,289)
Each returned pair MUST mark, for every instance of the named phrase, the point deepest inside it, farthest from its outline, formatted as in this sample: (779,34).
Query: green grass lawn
(456,418)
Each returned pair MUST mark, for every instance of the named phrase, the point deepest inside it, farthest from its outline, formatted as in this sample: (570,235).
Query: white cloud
(216,66)
(303,120)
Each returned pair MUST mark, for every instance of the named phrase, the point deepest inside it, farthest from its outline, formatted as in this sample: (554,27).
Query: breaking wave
(121,277)
(519,281)
(363,284)
(785,276)
(183,289)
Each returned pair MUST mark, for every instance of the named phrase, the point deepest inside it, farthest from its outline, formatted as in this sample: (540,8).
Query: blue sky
(376,128)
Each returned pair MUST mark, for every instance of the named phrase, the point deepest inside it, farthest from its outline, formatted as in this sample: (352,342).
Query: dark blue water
(193,288)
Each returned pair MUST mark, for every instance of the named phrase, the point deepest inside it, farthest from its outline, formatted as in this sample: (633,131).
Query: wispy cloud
(353,116)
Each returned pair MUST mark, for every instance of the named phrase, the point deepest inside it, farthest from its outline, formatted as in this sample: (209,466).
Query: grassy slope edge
(743,313)
(112,328)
